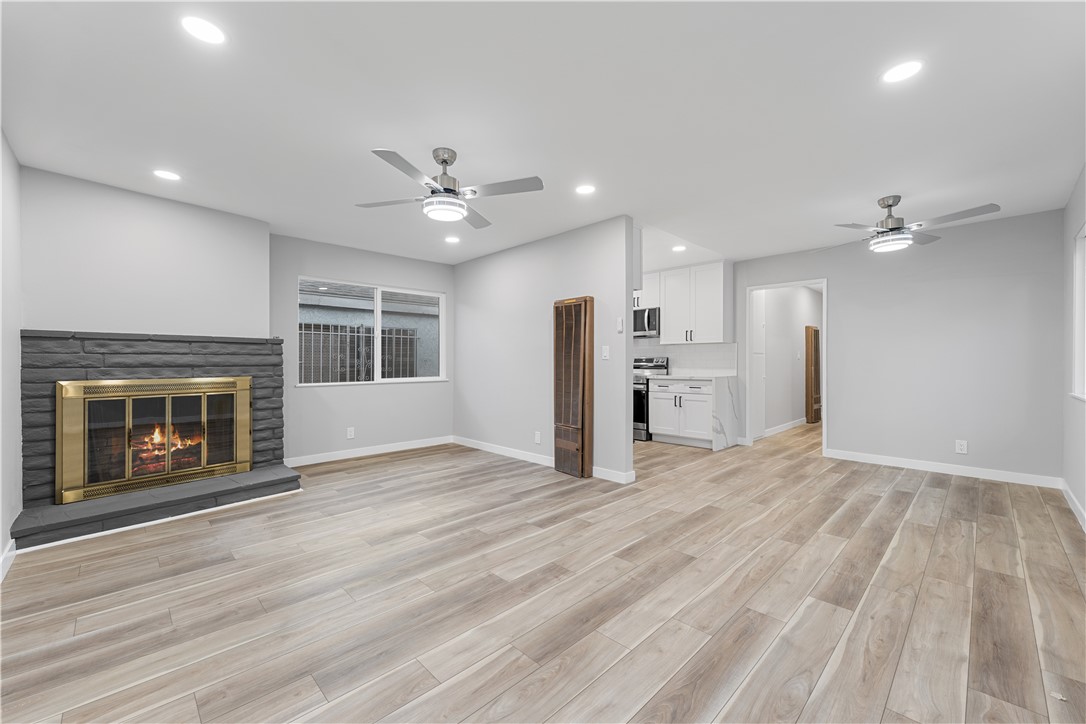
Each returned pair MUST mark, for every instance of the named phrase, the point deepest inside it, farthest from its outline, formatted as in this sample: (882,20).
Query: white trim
(785,426)
(361,452)
(824,350)
(1077,396)
(8,559)
(393,381)
(613,475)
(169,519)
(509,452)
(540,459)
(1075,507)
(1005,476)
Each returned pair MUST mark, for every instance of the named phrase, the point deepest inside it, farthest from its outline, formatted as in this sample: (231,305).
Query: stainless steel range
(643,369)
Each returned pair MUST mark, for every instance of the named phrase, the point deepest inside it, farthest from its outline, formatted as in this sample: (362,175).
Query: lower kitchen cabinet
(698,412)
(683,414)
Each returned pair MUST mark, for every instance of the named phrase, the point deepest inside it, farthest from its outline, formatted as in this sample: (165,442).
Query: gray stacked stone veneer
(51,356)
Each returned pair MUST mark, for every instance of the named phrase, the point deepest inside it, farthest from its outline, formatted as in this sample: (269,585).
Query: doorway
(786,354)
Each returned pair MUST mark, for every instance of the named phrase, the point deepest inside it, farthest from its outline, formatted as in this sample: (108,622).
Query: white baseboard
(745,441)
(360,452)
(785,426)
(1004,476)
(539,459)
(509,452)
(1075,507)
(150,523)
(613,475)
(9,558)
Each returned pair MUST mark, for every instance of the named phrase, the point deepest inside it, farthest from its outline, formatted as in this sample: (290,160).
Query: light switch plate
(606,352)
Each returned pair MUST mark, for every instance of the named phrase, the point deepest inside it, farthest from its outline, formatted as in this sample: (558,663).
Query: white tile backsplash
(699,356)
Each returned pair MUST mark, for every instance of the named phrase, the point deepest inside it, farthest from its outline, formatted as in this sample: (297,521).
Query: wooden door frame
(825,343)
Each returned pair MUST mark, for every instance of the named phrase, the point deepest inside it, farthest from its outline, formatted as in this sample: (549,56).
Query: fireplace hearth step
(51,523)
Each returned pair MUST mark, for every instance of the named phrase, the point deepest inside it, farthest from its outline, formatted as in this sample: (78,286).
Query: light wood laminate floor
(762,583)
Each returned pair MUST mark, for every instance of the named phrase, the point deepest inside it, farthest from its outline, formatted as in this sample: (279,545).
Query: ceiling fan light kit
(444,207)
(893,241)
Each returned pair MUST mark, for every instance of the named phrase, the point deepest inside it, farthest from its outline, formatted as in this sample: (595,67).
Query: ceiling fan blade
(861,227)
(401,163)
(517,186)
(397,202)
(477,220)
(921,238)
(957,216)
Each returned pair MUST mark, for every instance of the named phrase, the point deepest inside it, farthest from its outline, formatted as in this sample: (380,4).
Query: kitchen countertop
(695,374)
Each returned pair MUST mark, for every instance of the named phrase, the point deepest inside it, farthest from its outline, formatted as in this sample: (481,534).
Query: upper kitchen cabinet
(692,304)
(648,295)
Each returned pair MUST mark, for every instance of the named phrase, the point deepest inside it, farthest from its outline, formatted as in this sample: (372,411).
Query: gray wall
(99,258)
(11,495)
(1074,410)
(948,341)
(504,345)
(382,413)
(787,311)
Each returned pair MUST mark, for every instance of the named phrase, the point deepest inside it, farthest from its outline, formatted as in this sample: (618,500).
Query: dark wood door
(814,375)
(573,385)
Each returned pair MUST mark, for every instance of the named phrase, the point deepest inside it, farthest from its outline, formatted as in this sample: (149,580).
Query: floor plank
(932,673)
(780,684)
(855,683)
(1003,659)
(703,686)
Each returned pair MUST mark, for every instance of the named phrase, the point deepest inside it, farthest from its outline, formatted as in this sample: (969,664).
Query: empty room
(543,362)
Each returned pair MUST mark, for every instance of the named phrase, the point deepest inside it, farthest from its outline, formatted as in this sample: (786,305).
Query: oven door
(641,412)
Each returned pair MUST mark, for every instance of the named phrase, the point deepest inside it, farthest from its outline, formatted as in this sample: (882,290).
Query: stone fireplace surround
(52,356)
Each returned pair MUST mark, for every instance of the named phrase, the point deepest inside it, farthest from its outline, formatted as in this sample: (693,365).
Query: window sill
(408,381)
(1077,396)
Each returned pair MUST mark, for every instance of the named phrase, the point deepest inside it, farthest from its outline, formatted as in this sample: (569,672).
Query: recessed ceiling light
(585,189)
(168,175)
(680,247)
(903,71)
(452,239)
(322,289)
(203,30)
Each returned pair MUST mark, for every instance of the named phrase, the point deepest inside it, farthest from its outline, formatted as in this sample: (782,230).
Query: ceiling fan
(445,201)
(891,233)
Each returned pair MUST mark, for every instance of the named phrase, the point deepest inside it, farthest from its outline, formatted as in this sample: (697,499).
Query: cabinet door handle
(691,335)
(680,400)
(674,400)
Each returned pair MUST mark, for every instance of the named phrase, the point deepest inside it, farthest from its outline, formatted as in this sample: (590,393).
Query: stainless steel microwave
(646,322)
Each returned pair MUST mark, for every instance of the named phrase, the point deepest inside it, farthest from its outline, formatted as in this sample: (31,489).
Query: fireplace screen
(116,436)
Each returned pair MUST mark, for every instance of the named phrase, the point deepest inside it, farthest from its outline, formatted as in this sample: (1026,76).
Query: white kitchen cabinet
(649,294)
(698,411)
(663,413)
(692,304)
(682,409)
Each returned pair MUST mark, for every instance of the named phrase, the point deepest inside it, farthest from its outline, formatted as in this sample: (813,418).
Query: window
(338,339)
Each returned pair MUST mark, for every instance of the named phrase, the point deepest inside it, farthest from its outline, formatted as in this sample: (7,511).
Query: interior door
(813,375)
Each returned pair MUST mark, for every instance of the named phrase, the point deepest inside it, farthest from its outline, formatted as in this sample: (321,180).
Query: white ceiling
(658,251)
(748,129)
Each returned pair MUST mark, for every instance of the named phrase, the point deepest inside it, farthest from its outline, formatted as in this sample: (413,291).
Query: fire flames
(149,457)
(155,440)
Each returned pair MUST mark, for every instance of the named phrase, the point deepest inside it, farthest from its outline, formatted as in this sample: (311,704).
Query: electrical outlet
(961,447)
(538,437)
(350,433)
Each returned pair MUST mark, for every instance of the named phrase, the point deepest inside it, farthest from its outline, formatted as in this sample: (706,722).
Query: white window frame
(1078,318)
(378,290)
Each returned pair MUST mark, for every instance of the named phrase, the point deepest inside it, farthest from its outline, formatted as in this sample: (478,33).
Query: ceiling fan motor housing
(891,222)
